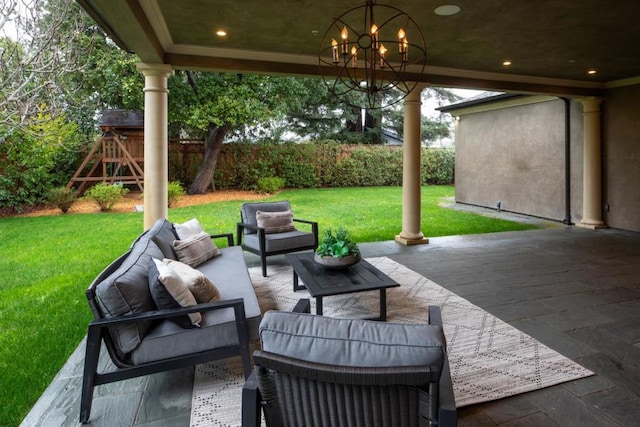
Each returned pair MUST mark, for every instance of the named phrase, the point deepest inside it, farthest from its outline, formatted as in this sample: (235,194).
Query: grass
(48,262)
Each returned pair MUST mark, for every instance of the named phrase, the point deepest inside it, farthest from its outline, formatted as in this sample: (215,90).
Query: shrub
(62,197)
(175,190)
(106,195)
(438,166)
(270,185)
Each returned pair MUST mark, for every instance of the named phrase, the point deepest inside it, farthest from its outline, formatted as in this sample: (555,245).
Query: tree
(43,43)
(431,129)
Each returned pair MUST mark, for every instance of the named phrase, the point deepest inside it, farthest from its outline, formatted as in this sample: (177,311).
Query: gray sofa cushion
(351,342)
(281,241)
(217,329)
(126,291)
(162,234)
(248,211)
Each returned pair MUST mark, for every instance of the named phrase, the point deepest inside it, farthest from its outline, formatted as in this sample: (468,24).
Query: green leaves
(337,246)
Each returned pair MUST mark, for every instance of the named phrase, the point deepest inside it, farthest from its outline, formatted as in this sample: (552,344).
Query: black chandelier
(370,55)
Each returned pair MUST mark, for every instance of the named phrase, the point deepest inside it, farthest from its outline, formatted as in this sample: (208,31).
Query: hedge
(310,165)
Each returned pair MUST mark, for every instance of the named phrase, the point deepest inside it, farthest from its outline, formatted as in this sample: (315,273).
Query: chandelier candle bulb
(345,41)
(354,56)
(374,37)
(402,39)
(383,51)
(334,49)
(405,50)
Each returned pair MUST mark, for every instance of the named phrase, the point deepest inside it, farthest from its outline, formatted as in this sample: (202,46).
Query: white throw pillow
(200,286)
(188,229)
(170,290)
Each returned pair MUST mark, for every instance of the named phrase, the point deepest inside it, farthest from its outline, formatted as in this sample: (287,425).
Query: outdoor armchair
(268,228)
(320,371)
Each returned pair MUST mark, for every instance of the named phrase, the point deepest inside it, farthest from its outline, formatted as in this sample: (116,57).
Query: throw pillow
(275,222)
(169,291)
(200,286)
(195,250)
(188,229)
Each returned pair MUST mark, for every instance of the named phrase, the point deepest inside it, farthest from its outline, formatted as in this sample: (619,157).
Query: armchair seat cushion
(351,342)
(287,241)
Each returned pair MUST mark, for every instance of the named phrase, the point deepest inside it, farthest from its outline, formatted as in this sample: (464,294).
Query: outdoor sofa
(142,338)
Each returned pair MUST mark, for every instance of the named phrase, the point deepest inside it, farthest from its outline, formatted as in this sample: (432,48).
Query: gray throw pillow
(195,250)
(275,222)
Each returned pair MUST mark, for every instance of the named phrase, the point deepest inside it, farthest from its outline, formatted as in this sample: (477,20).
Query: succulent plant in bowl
(337,250)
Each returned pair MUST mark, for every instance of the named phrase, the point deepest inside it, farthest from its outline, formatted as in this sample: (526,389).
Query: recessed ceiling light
(506,63)
(592,72)
(447,10)
(221,33)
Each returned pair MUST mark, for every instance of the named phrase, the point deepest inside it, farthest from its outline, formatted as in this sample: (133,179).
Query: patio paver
(575,290)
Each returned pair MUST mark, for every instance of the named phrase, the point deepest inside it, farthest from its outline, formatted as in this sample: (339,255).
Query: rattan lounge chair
(319,371)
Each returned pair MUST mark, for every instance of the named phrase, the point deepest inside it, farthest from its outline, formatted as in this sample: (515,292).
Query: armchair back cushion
(351,342)
(248,211)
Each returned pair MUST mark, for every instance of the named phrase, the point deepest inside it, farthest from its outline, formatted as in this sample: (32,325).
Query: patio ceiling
(551,43)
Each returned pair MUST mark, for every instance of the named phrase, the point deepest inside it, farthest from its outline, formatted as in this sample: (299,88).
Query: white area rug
(489,358)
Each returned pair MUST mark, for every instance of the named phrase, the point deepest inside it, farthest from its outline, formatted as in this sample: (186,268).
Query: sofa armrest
(229,237)
(166,314)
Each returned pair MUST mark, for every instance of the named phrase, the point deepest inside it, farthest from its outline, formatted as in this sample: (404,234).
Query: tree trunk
(212,146)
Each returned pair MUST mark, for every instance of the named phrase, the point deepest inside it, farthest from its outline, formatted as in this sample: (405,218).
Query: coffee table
(322,282)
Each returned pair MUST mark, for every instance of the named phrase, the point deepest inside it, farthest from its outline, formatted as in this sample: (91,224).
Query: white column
(156,136)
(592,167)
(411,185)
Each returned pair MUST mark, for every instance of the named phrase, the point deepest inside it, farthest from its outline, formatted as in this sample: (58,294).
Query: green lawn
(48,262)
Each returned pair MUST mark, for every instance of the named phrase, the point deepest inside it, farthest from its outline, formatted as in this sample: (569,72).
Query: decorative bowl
(337,263)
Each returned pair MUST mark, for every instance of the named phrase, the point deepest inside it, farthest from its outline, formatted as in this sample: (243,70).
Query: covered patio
(575,290)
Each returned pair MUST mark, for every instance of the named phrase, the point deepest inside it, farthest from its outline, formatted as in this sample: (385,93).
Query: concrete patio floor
(575,290)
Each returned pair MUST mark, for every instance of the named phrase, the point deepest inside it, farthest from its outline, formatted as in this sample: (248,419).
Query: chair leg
(92,353)
(251,402)
(263,258)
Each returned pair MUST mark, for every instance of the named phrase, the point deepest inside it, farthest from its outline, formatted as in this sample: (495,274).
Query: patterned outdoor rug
(489,358)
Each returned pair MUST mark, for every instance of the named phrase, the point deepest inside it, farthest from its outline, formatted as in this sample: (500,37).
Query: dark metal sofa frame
(98,333)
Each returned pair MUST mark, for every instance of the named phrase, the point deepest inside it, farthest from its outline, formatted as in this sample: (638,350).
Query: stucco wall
(621,158)
(516,156)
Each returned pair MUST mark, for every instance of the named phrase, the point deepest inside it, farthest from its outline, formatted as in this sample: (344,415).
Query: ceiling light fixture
(221,33)
(447,10)
(367,50)
(592,72)
(506,63)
